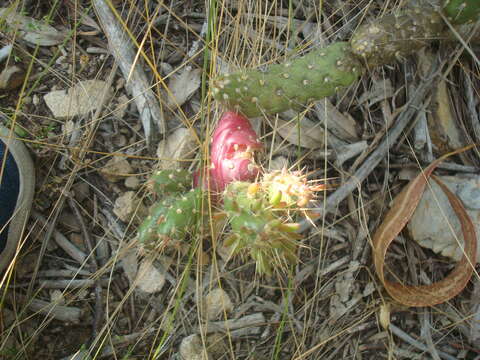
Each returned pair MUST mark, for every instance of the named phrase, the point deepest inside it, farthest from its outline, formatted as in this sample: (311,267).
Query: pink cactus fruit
(232,152)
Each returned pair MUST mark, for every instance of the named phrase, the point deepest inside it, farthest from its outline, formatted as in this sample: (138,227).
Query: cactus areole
(234,143)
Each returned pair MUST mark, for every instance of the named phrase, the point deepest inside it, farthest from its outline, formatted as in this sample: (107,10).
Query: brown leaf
(397,217)
(183,86)
(304,133)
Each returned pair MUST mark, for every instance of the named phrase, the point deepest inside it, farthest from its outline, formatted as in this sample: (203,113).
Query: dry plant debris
(81,288)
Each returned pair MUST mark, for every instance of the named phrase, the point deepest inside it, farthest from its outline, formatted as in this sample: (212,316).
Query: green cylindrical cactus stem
(176,216)
(462,11)
(146,231)
(395,36)
(292,84)
(170,181)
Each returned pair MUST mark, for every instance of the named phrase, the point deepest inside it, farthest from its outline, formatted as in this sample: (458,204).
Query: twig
(427,334)
(122,49)
(67,284)
(408,339)
(62,241)
(51,309)
(253,320)
(98,313)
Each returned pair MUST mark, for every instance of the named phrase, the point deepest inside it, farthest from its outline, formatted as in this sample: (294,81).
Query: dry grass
(329,306)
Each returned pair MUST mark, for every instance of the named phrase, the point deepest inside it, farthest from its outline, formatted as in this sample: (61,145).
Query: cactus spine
(261,214)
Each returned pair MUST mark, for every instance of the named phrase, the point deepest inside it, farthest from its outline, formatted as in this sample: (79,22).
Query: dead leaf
(29,29)
(442,122)
(180,145)
(80,99)
(116,169)
(397,217)
(183,86)
(438,233)
(304,133)
(341,125)
(381,89)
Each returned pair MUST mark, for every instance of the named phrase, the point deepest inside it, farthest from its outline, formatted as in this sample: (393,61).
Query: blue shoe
(17,186)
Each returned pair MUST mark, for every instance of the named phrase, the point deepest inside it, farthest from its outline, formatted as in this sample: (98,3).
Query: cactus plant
(257,229)
(290,85)
(462,11)
(170,181)
(262,214)
(395,36)
(174,217)
(324,71)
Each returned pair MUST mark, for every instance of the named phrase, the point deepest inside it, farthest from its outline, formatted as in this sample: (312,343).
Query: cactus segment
(462,11)
(173,218)
(170,181)
(266,244)
(257,229)
(293,84)
(395,36)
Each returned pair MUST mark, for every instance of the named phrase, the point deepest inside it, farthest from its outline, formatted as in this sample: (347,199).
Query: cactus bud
(234,143)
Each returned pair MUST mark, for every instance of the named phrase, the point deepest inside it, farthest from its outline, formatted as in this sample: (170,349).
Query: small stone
(129,265)
(183,86)
(125,206)
(132,182)
(216,303)
(36,100)
(179,145)
(56,296)
(191,348)
(150,280)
